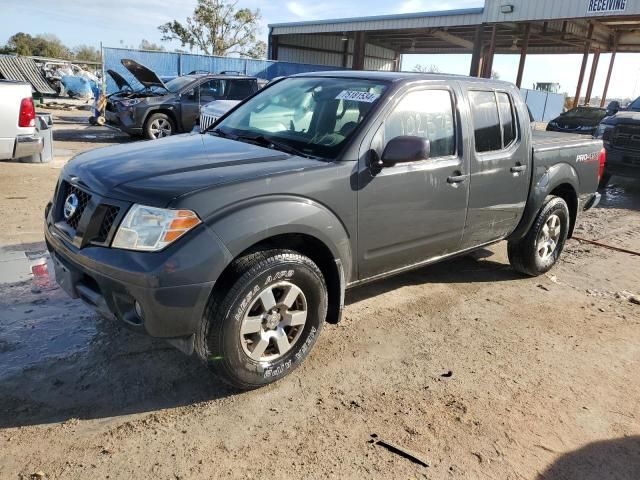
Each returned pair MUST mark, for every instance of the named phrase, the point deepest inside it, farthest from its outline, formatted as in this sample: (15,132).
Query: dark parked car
(159,110)
(620,133)
(580,120)
(238,244)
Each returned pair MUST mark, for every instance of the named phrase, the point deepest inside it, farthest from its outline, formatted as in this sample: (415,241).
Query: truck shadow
(621,192)
(617,459)
(60,361)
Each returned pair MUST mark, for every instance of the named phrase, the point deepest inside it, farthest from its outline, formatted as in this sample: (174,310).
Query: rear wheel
(159,125)
(541,247)
(263,324)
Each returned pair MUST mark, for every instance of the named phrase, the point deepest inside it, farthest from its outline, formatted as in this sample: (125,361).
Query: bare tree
(147,45)
(217,27)
(426,68)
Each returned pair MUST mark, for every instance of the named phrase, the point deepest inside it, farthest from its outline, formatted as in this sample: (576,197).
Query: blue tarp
(167,64)
(78,86)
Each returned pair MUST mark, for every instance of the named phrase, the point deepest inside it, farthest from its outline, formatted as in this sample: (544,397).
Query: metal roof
(557,26)
(25,70)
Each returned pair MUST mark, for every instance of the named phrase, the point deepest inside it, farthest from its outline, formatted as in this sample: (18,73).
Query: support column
(603,100)
(358,51)
(274,46)
(592,76)
(345,52)
(487,64)
(523,54)
(583,67)
(474,71)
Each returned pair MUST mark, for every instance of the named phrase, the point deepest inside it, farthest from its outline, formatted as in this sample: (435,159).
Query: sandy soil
(544,382)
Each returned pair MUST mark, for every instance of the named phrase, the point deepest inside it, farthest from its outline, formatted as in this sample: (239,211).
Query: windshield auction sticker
(358,96)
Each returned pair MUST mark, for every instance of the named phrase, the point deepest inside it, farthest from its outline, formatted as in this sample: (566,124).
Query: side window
(211,90)
(507,118)
(486,121)
(427,114)
(240,89)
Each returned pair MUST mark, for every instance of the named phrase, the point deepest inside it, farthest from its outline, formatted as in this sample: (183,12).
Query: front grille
(83,201)
(626,136)
(101,218)
(206,121)
(108,220)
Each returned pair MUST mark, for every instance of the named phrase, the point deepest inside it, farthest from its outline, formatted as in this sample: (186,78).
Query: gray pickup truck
(238,243)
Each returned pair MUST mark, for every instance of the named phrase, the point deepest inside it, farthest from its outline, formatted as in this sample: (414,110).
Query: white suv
(18,135)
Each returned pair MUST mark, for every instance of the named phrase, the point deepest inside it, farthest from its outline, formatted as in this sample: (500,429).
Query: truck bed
(542,139)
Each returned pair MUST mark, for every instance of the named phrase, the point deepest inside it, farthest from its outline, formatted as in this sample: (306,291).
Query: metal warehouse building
(501,26)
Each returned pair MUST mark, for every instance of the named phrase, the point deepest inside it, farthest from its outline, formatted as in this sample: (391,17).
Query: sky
(127,22)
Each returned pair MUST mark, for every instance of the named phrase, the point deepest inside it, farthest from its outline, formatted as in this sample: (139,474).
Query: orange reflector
(172,235)
(184,223)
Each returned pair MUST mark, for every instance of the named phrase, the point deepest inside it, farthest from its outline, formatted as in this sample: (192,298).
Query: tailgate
(579,152)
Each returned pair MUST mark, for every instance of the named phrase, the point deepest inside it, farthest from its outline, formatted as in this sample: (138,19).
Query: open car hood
(121,82)
(146,77)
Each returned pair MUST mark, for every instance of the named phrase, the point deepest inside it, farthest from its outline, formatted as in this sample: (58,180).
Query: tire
(159,125)
(527,255)
(245,337)
(604,180)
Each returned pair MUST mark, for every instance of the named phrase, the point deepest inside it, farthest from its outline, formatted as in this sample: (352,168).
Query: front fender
(249,222)
(548,179)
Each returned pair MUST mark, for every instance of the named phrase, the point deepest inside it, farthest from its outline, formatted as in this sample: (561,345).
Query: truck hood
(144,75)
(121,82)
(154,173)
(623,118)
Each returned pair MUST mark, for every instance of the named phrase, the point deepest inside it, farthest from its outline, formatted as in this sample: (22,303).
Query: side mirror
(190,94)
(405,149)
(613,107)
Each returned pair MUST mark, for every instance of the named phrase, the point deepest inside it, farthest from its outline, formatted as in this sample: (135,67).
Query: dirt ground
(483,373)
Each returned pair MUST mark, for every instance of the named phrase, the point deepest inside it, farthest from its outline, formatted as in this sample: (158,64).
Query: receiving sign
(598,7)
(357,96)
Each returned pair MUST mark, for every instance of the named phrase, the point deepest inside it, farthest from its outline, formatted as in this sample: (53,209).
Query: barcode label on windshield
(357,96)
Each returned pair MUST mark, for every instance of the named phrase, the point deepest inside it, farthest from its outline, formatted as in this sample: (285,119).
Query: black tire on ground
(242,305)
(526,254)
(604,180)
(159,125)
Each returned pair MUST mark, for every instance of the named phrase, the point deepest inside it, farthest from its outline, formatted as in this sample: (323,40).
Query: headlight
(131,102)
(151,229)
(600,131)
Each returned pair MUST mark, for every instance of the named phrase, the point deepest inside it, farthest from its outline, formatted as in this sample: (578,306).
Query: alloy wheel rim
(274,322)
(547,242)
(160,128)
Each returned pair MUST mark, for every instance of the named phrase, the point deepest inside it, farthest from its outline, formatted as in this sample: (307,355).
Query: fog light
(139,310)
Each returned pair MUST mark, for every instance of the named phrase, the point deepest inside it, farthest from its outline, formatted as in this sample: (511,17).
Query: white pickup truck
(18,135)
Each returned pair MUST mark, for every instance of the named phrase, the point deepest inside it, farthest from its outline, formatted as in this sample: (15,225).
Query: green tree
(87,53)
(44,45)
(147,45)
(217,27)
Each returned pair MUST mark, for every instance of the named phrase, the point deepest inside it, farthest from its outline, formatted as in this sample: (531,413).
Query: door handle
(456,179)
(518,168)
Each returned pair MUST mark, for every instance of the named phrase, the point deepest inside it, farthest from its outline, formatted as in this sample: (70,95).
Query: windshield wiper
(275,145)
(219,132)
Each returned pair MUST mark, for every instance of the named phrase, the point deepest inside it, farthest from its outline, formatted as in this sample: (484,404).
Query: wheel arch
(167,111)
(561,180)
(313,231)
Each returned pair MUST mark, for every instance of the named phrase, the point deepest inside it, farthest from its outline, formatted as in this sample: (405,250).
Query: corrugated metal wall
(330,50)
(172,64)
(547,9)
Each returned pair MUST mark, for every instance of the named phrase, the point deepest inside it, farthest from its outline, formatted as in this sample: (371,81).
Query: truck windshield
(635,105)
(315,116)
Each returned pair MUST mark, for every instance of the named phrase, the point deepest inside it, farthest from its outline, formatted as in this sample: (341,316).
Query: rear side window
(507,119)
(486,121)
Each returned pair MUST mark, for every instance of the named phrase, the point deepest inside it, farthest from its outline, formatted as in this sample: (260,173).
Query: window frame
(514,115)
(454,115)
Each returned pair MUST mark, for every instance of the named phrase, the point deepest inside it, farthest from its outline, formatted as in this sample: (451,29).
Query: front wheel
(159,125)
(264,322)
(541,247)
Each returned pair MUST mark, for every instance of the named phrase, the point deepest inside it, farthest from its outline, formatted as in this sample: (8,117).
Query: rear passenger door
(500,169)
(413,211)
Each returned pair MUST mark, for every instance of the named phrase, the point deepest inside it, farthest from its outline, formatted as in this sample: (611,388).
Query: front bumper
(124,120)
(27,145)
(625,163)
(171,287)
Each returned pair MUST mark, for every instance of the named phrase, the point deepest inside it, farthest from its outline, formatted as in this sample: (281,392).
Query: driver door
(413,211)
